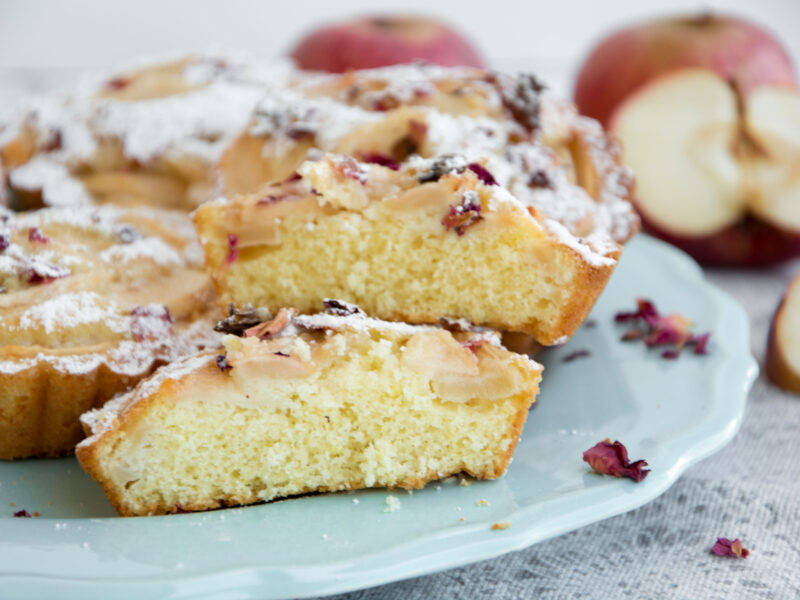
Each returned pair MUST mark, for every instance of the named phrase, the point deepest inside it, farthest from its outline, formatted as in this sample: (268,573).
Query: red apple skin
(748,243)
(378,42)
(737,50)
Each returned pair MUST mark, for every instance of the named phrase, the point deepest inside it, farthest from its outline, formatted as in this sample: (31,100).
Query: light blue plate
(671,413)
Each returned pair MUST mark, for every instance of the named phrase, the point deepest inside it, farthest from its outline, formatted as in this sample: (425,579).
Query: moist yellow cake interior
(373,409)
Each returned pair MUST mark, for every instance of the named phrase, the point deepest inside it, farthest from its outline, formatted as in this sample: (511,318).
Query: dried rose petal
(35,235)
(382,160)
(473,343)
(152,322)
(222,362)
(4,242)
(520,97)
(661,330)
(341,308)
(483,173)
(55,142)
(37,272)
(238,320)
(349,167)
(540,179)
(444,165)
(266,330)
(117,83)
(233,250)
(272,199)
(463,216)
(23,514)
(577,354)
(726,547)
(293,177)
(607,458)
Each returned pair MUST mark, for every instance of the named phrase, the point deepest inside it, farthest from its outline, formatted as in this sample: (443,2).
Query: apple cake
(92,299)
(310,403)
(411,242)
(150,135)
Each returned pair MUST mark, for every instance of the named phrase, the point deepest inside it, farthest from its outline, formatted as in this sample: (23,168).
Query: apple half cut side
(714,177)
(783,343)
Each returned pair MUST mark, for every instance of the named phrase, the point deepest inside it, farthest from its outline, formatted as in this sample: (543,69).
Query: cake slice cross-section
(311,403)
(431,238)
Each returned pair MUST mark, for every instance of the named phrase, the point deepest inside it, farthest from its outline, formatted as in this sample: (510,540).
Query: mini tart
(148,136)
(91,301)
(315,403)
(433,238)
(537,147)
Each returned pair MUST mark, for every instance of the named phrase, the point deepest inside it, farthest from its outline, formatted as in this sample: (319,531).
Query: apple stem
(745,144)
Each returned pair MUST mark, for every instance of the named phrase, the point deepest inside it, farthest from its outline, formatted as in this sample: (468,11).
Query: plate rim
(739,371)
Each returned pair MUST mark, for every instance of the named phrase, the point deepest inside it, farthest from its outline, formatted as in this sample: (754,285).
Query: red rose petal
(726,547)
(607,458)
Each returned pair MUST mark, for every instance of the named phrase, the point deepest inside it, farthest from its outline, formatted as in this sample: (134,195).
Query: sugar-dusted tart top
(149,134)
(81,286)
(536,147)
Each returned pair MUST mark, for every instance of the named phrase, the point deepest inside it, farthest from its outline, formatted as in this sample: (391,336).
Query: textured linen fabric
(749,490)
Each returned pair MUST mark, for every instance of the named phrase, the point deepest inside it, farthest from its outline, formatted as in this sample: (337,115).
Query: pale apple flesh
(718,175)
(783,345)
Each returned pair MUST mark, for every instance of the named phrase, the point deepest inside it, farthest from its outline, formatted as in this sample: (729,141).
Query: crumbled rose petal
(267,329)
(657,330)
(238,320)
(222,362)
(152,322)
(454,325)
(233,250)
(4,242)
(540,179)
(583,353)
(293,177)
(726,547)
(127,234)
(341,308)
(483,173)
(463,216)
(444,165)
(473,343)
(520,96)
(35,235)
(56,142)
(607,458)
(23,514)
(349,167)
(38,273)
(272,198)
(117,83)
(381,159)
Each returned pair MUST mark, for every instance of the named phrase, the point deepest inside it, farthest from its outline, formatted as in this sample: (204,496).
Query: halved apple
(783,344)
(717,174)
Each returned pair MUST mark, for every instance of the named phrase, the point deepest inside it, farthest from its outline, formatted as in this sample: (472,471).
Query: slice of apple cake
(310,403)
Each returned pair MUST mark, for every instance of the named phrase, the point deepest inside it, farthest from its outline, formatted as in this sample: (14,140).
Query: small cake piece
(91,301)
(310,403)
(435,237)
(150,135)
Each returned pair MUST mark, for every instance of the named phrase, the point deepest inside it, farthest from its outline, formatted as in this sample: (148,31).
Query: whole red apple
(737,50)
(381,41)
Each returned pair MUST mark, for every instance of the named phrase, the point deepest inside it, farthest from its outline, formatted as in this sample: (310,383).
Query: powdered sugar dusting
(69,310)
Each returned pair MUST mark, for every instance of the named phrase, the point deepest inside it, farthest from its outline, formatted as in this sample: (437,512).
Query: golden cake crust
(92,301)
